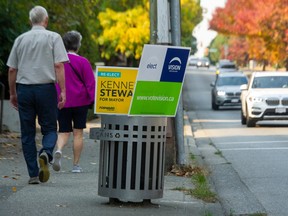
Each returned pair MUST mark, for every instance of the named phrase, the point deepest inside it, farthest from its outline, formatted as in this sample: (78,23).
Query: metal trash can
(132,153)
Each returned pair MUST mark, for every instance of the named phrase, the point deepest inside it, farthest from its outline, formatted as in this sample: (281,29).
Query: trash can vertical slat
(111,174)
(119,164)
(161,166)
(147,166)
(105,167)
(154,176)
(128,167)
(138,166)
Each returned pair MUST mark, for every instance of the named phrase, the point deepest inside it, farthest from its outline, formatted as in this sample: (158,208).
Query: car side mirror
(212,84)
(244,87)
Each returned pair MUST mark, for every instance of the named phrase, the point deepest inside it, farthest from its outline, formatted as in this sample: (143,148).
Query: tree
(275,31)
(217,45)
(124,33)
(191,15)
(255,20)
(10,27)
(238,50)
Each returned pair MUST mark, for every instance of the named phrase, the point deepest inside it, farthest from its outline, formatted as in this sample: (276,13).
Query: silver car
(192,61)
(226,89)
(225,66)
(203,62)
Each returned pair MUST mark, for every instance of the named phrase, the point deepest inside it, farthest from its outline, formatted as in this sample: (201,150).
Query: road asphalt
(75,194)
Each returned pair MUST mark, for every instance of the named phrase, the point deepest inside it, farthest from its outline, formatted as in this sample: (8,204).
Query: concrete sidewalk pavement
(74,194)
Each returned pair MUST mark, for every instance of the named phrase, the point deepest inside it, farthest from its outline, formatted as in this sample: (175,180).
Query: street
(248,165)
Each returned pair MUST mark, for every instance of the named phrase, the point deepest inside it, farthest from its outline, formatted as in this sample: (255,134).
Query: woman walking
(80,93)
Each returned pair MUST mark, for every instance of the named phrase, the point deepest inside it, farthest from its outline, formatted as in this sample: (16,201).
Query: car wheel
(250,122)
(243,119)
(214,106)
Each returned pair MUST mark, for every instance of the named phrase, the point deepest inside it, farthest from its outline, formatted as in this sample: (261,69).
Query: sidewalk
(75,194)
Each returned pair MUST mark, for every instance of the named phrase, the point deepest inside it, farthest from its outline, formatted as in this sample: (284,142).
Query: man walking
(35,63)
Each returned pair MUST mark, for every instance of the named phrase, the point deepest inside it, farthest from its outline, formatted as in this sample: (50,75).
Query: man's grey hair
(37,14)
(72,40)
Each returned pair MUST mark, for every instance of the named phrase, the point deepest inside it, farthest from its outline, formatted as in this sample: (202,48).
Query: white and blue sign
(159,80)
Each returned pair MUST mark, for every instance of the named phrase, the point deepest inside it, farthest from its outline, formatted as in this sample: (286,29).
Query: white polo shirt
(34,54)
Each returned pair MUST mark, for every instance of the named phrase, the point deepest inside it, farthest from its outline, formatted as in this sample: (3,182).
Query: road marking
(249,149)
(250,142)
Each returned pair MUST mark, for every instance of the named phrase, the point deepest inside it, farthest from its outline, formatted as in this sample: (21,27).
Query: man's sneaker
(44,173)
(34,180)
(57,161)
(76,169)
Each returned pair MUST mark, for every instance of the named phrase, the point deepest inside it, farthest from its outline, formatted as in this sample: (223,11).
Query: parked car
(203,62)
(226,89)
(225,65)
(192,61)
(264,98)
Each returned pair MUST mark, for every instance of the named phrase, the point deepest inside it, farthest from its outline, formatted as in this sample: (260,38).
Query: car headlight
(221,93)
(256,99)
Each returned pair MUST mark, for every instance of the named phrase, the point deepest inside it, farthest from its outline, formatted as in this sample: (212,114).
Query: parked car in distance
(203,62)
(226,89)
(265,97)
(226,65)
(192,61)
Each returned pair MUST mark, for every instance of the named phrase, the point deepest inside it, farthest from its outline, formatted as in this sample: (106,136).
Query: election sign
(159,81)
(114,89)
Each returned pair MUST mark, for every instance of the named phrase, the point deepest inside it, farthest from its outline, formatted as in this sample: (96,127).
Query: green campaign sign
(155,98)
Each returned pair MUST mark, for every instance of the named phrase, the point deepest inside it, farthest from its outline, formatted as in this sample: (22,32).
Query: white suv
(265,97)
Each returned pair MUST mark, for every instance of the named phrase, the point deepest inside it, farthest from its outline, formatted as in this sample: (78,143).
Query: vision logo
(174,65)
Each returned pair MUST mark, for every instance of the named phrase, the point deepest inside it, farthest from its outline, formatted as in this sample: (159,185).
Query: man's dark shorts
(73,117)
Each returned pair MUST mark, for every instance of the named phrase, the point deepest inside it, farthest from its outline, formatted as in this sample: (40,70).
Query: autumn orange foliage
(262,24)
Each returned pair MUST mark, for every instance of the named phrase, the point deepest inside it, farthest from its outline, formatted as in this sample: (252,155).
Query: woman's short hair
(72,40)
(37,14)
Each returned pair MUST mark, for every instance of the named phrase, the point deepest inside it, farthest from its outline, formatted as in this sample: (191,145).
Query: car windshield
(270,82)
(233,81)
(204,59)
(228,66)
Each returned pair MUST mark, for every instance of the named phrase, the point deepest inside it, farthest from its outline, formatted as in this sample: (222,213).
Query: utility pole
(165,29)
(153,22)
(176,41)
